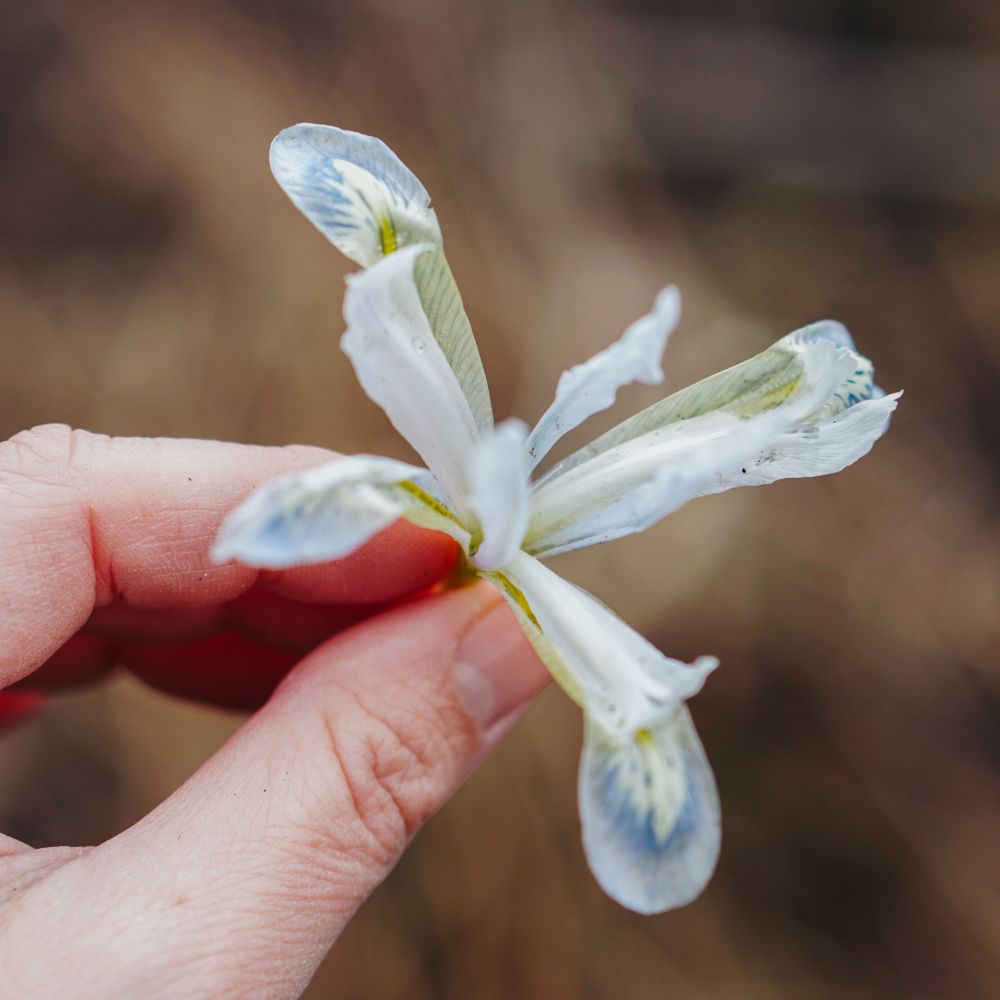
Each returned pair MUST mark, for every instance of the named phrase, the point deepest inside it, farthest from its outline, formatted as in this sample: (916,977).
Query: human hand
(238,883)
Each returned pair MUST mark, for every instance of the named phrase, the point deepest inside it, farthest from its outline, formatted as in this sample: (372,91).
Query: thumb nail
(496,671)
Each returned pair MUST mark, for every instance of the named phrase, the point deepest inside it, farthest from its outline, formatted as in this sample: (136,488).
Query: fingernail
(496,671)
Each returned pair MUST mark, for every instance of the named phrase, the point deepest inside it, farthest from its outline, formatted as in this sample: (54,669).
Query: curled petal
(592,386)
(354,189)
(329,511)
(807,407)
(649,812)
(403,368)
(498,483)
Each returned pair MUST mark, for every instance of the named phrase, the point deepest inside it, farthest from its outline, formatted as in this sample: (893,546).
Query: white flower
(805,407)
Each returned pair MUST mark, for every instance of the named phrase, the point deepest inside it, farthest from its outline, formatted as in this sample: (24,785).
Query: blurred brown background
(781,162)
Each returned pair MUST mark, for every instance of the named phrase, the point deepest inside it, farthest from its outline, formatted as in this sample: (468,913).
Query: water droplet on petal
(418,345)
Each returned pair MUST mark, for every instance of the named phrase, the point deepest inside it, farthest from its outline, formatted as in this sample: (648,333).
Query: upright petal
(354,189)
(498,484)
(592,386)
(450,325)
(401,366)
(806,407)
(329,511)
(649,810)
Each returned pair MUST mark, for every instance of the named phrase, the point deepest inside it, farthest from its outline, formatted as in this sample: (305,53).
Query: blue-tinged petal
(649,811)
(354,189)
(498,494)
(329,511)
(590,387)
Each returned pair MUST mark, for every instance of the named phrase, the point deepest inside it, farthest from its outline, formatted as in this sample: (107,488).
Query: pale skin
(386,705)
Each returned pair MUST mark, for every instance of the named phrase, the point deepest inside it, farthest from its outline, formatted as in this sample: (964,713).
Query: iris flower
(807,406)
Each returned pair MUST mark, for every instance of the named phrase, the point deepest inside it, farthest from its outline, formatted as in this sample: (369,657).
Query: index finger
(86,519)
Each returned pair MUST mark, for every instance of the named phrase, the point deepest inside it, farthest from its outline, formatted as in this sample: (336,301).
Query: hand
(237,884)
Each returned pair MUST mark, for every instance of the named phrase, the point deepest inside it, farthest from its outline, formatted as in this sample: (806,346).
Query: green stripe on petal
(442,302)
(403,368)
(806,407)
(755,386)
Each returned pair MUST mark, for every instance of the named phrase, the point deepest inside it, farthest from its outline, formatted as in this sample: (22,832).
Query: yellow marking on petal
(547,652)
(770,399)
(425,498)
(387,235)
(644,737)
(516,595)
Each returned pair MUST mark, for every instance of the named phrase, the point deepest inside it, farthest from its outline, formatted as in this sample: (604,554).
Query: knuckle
(399,764)
(45,455)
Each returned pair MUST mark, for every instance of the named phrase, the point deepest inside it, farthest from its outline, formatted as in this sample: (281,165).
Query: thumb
(240,882)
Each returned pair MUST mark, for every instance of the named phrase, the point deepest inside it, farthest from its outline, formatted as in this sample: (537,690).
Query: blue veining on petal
(855,388)
(650,814)
(638,832)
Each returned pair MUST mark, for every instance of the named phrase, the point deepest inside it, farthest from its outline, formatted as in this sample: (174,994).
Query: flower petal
(401,366)
(354,189)
(648,805)
(329,511)
(498,483)
(450,325)
(806,407)
(592,386)
(624,683)
(649,810)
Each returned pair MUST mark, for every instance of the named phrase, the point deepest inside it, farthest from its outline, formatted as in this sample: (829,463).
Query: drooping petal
(592,386)
(498,484)
(648,804)
(329,511)
(650,816)
(354,189)
(401,366)
(806,407)
(622,682)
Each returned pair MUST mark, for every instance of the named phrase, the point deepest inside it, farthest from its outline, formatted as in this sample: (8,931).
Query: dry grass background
(779,161)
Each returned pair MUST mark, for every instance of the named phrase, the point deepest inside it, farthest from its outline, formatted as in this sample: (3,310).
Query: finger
(258,614)
(252,868)
(85,519)
(80,660)
(18,705)
(225,670)
(230,656)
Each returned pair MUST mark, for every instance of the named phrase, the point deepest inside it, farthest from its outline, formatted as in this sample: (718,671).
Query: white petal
(498,483)
(623,682)
(592,386)
(648,804)
(650,814)
(401,366)
(329,511)
(797,415)
(354,189)
(632,486)
(809,449)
